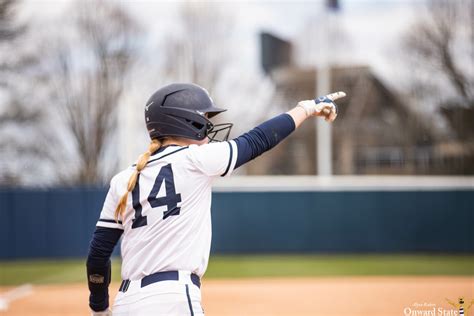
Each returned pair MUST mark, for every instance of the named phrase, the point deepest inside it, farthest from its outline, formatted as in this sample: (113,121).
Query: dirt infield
(284,296)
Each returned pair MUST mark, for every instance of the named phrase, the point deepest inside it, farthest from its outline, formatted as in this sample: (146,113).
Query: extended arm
(99,267)
(268,134)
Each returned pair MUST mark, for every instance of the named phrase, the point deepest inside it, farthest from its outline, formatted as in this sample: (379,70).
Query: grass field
(71,271)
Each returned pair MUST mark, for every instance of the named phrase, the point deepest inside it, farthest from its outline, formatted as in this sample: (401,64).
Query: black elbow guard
(98,278)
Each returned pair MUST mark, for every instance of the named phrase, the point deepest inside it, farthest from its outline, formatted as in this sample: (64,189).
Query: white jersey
(167,222)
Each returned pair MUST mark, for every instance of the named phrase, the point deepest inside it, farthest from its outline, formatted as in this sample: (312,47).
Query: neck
(180,141)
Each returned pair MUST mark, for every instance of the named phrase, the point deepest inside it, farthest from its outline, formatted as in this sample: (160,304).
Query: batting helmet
(179,110)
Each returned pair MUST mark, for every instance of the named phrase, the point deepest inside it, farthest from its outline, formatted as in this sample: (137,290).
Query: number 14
(171,199)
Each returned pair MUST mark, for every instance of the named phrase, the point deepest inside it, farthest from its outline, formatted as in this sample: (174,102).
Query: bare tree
(21,136)
(10,28)
(201,49)
(87,70)
(442,44)
(204,50)
(59,108)
(441,48)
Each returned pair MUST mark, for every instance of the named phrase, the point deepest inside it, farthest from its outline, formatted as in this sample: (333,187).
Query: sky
(373,26)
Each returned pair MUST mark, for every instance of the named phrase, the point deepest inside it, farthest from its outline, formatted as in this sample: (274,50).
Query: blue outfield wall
(48,223)
(59,223)
(357,221)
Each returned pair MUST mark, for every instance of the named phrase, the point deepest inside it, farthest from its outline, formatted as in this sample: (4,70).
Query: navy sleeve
(99,267)
(263,137)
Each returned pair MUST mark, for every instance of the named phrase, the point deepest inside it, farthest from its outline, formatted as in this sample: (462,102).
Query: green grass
(339,265)
(47,271)
(67,271)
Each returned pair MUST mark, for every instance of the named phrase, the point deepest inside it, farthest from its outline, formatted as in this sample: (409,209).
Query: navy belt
(158,277)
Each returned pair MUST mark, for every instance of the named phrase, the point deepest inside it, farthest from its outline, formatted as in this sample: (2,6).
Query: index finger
(336,95)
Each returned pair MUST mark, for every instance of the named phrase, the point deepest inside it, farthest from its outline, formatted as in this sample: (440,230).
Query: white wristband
(309,106)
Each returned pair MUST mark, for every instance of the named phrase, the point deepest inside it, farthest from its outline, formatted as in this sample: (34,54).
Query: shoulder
(213,159)
(211,147)
(215,150)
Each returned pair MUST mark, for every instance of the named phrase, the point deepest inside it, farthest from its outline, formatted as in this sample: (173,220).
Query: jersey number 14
(171,199)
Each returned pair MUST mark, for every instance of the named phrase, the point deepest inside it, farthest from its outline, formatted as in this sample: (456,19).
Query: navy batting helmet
(179,110)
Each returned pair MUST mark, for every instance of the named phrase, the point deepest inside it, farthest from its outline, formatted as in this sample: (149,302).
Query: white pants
(168,298)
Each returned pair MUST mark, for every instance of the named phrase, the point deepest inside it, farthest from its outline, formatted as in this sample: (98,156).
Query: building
(377,132)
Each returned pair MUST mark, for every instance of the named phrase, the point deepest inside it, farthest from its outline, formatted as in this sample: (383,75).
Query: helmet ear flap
(197,125)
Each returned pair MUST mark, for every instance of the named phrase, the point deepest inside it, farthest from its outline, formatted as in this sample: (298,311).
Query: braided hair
(141,164)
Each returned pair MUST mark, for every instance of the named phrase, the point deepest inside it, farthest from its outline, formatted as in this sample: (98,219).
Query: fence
(268,215)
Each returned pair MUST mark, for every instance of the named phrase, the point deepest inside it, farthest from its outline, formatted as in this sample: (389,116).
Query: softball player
(161,205)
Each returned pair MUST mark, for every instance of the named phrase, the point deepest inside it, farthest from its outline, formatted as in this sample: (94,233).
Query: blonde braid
(141,164)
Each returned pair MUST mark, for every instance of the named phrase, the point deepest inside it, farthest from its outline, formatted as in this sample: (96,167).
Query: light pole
(323,87)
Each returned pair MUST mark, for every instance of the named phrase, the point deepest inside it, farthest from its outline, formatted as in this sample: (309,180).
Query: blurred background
(388,189)
(75,76)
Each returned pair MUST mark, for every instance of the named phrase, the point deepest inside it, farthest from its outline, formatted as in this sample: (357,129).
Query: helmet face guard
(219,132)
